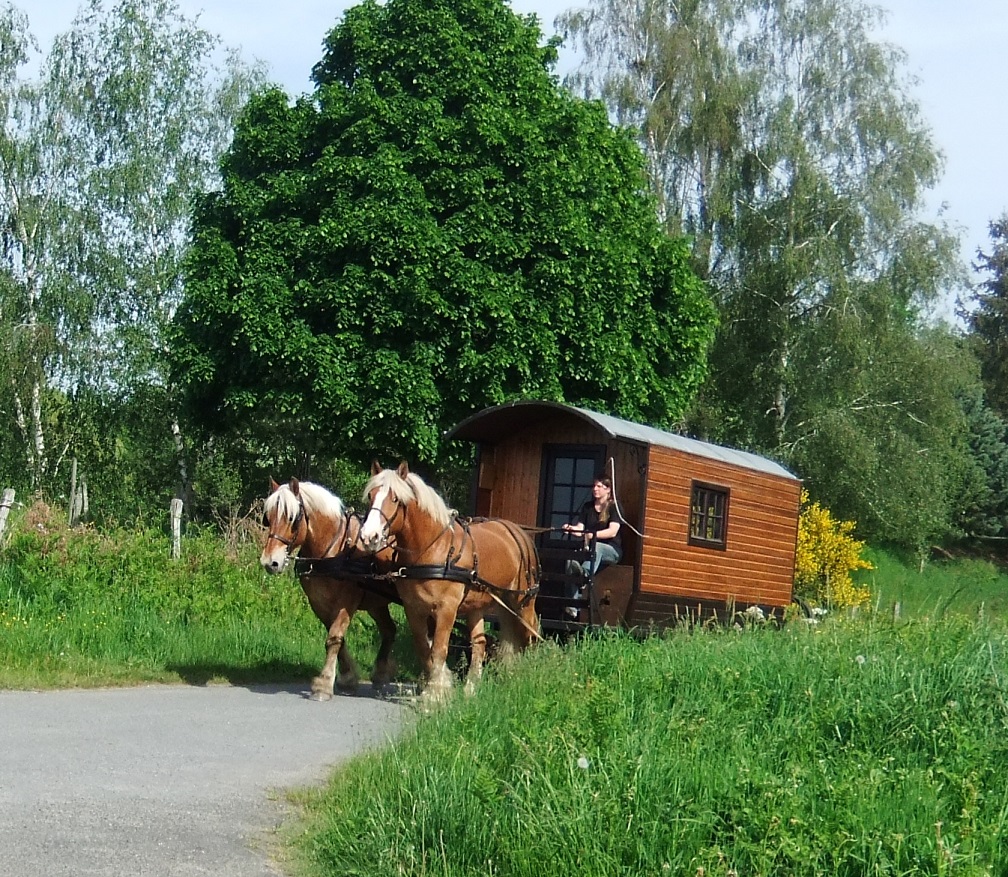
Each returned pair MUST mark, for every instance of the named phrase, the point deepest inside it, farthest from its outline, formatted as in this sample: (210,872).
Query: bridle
(389,540)
(295,525)
(387,521)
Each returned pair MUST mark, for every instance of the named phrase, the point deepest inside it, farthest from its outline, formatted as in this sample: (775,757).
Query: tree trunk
(176,528)
(72,508)
(6,502)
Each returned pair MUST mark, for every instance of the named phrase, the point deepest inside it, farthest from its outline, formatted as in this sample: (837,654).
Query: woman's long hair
(603,514)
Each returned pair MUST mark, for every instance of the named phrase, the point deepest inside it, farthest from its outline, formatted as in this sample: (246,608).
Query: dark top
(590,518)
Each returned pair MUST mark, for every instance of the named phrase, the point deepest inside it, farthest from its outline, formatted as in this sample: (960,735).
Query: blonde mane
(314,497)
(412,490)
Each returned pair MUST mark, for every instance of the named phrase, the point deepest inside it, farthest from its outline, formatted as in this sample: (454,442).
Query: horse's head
(387,494)
(286,525)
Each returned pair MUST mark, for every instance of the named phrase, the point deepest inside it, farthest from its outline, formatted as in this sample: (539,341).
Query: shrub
(827,555)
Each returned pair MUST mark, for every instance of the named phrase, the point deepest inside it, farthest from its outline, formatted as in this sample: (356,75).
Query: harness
(449,570)
(363,570)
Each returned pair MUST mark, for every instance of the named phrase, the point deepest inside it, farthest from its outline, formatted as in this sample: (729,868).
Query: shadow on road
(275,678)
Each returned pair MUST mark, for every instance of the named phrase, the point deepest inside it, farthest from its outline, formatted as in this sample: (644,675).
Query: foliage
(827,555)
(438,228)
(850,748)
(79,607)
(983,504)
(989,320)
(101,156)
(885,440)
(784,138)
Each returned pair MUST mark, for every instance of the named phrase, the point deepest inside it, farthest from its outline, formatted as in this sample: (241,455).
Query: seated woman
(600,522)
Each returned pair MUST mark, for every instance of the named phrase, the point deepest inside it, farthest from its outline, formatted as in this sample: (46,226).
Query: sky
(958,57)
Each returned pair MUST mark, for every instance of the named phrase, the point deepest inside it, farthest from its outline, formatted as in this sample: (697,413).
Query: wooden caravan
(710,530)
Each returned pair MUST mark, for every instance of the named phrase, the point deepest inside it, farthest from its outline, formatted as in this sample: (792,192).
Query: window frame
(547,482)
(698,521)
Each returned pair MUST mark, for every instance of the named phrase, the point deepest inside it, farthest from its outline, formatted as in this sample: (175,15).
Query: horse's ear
(403,470)
(295,486)
(274,487)
(376,467)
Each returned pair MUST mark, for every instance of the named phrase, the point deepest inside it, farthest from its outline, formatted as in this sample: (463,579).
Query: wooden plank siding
(757,564)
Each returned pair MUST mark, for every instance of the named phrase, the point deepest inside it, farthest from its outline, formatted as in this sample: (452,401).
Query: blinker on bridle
(294,526)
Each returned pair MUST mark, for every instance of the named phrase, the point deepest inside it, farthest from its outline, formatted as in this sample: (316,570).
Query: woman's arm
(609,531)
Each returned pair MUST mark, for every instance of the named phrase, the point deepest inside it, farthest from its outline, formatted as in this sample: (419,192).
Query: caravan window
(709,515)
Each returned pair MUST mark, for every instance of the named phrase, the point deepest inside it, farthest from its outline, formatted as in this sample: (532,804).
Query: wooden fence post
(176,528)
(6,502)
(71,515)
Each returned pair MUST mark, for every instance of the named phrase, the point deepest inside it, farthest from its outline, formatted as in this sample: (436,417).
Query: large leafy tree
(439,227)
(101,156)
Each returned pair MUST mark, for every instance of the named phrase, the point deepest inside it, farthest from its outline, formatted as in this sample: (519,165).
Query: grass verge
(858,747)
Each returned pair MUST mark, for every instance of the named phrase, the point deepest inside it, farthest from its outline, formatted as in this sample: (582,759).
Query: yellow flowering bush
(827,555)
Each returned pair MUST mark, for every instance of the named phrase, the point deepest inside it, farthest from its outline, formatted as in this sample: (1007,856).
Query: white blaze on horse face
(274,556)
(276,552)
(372,532)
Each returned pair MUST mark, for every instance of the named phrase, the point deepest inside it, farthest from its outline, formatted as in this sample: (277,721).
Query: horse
(451,567)
(305,517)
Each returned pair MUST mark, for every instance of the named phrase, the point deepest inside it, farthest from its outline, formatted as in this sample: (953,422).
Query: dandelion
(582,762)
(860,659)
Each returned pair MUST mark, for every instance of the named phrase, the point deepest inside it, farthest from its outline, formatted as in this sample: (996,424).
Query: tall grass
(86,608)
(966,586)
(859,747)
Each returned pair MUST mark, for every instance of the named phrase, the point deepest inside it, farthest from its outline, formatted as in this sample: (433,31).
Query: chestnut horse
(307,517)
(451,566)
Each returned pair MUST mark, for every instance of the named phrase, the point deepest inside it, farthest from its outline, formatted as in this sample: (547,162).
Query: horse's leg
(477,650)
(349,677)
(507,644)
(418,615)
(385,666)
(320,593)
(529,631)
(335,601)
(336,652)
(439,682)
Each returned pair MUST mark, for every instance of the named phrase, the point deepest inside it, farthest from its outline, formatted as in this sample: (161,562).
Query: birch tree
(782,135)
(103,154)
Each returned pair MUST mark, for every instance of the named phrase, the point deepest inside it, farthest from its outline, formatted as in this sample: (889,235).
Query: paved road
(165,781)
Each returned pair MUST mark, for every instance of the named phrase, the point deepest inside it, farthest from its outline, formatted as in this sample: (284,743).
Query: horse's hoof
(348,685)
(320,696)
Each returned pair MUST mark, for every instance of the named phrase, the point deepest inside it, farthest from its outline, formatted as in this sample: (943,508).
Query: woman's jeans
(604,553)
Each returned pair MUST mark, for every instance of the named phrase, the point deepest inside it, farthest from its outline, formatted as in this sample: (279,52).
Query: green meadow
(88,609)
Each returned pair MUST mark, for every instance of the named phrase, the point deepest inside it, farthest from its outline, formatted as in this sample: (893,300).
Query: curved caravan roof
(490,424)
